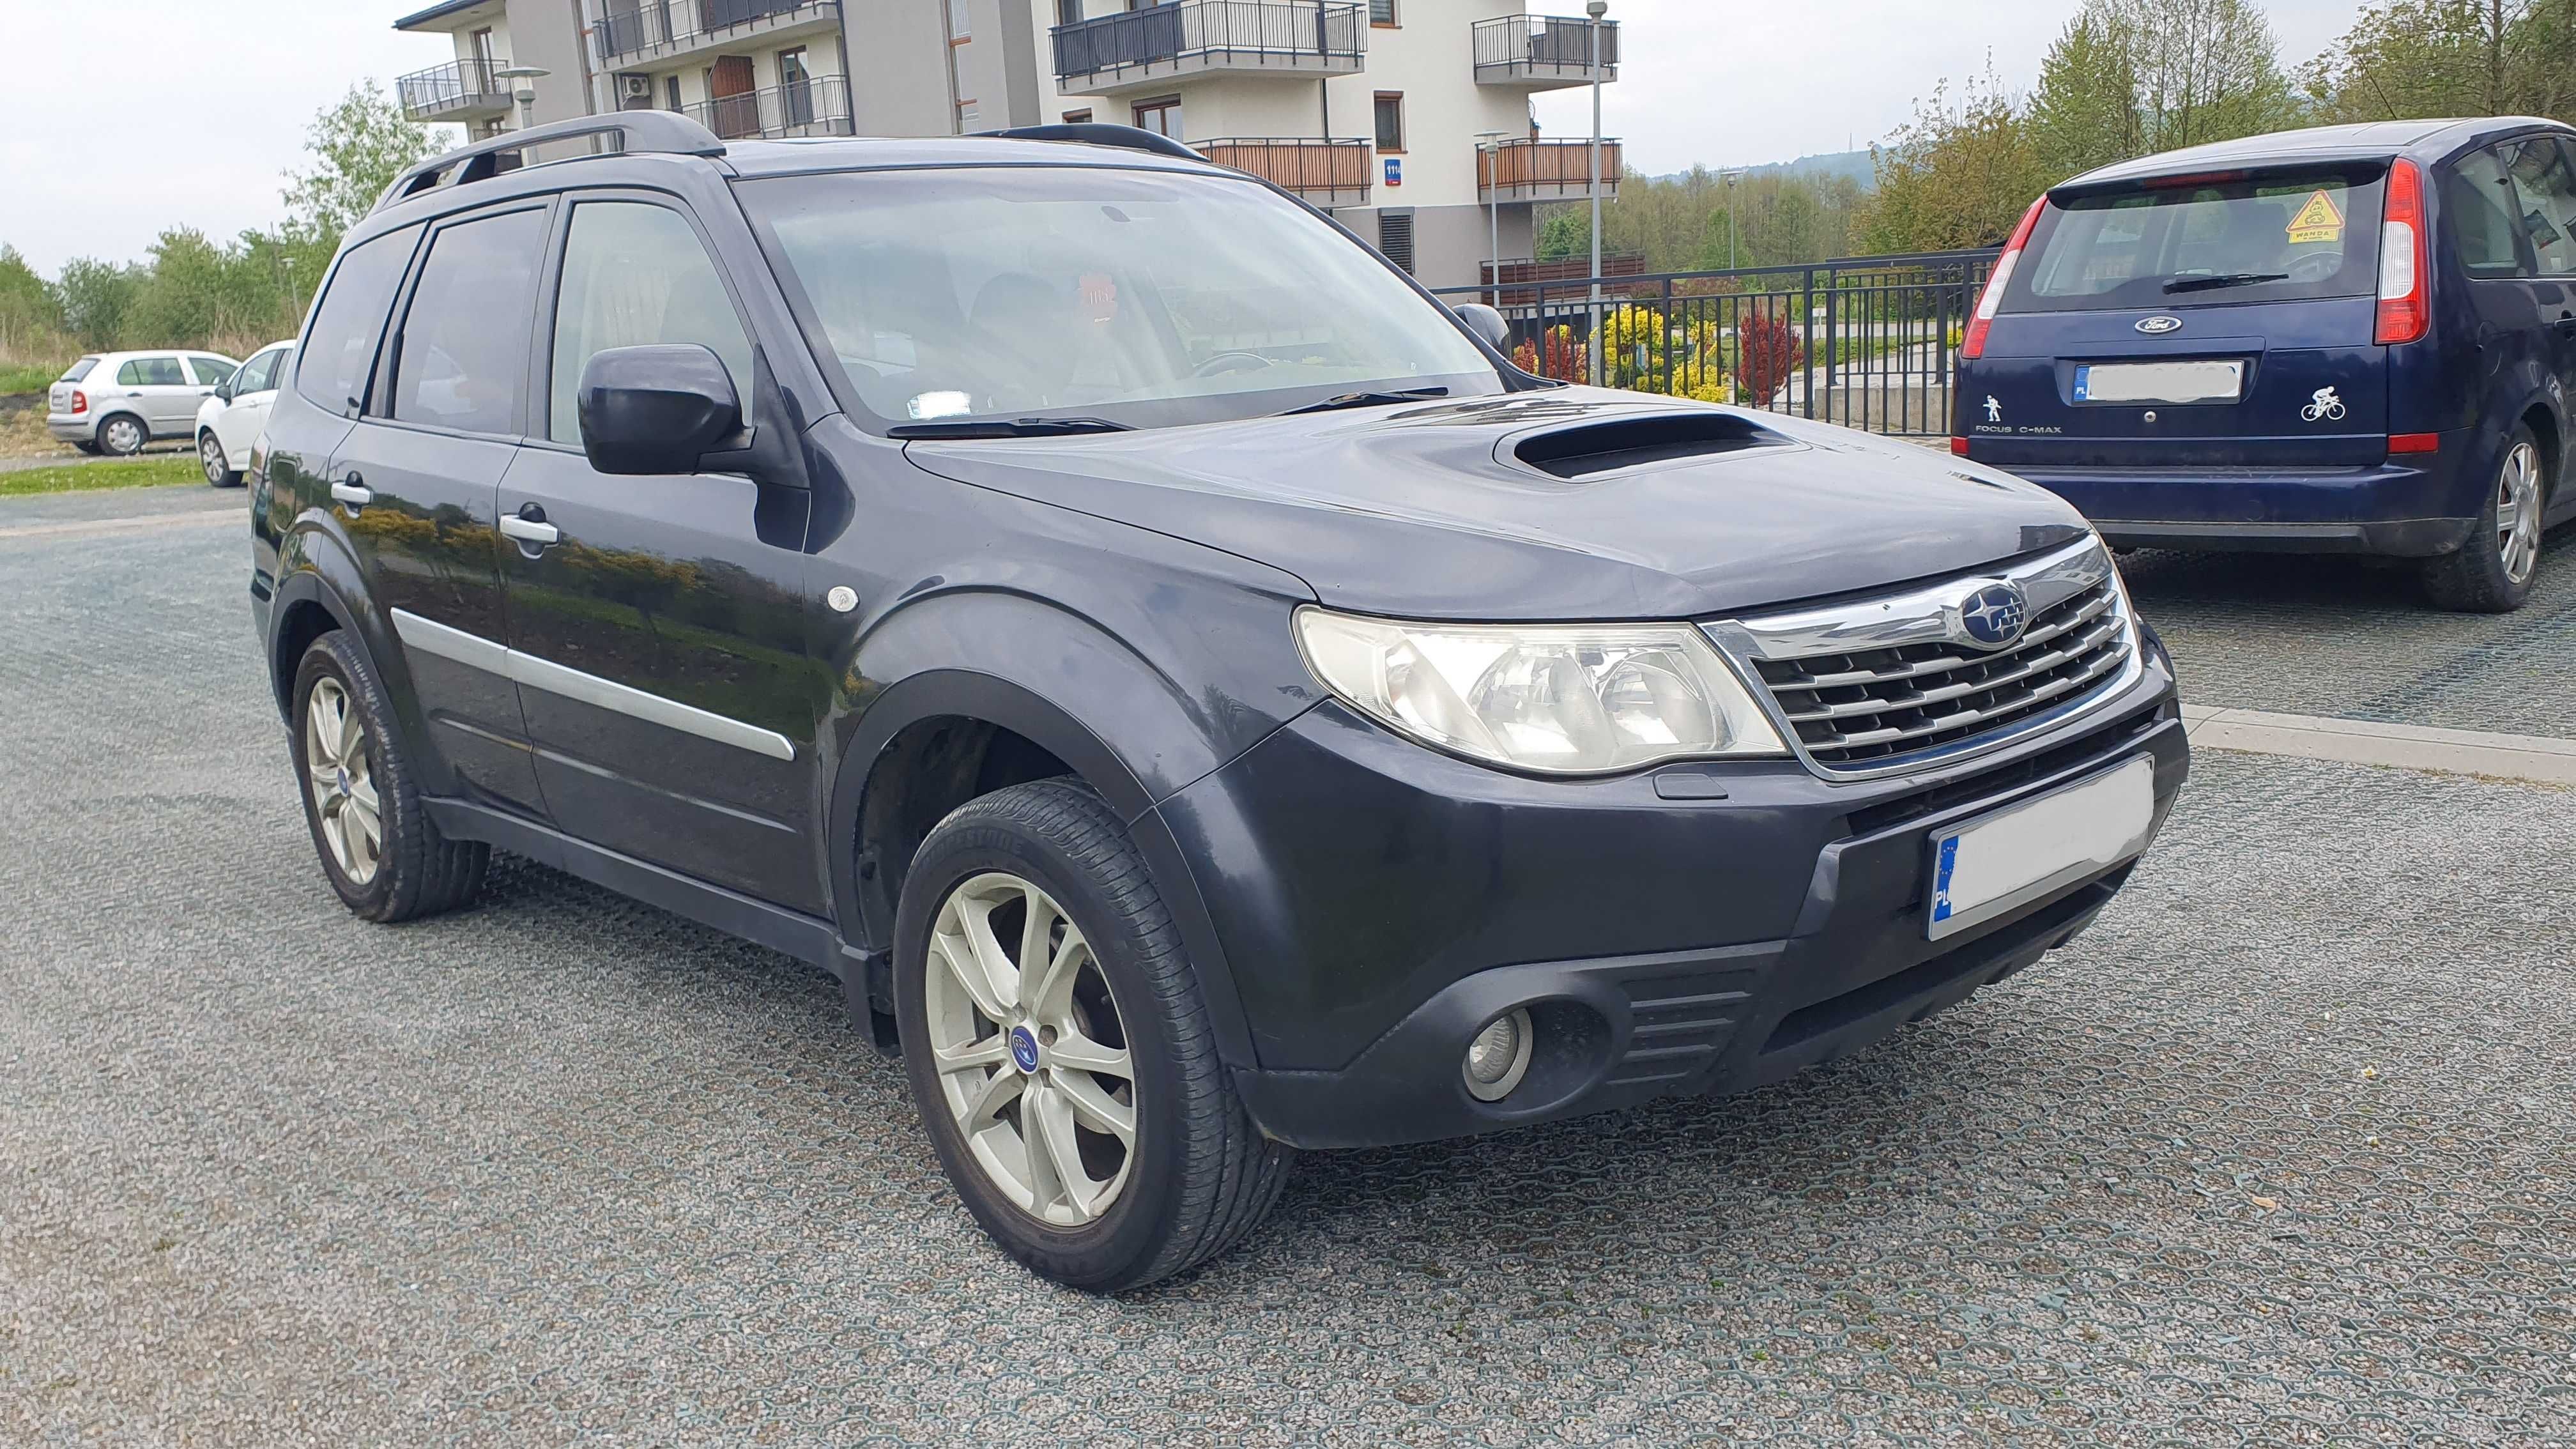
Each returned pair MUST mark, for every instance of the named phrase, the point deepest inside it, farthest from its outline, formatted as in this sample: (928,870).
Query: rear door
(156,387)
(419,479)
(2220,321)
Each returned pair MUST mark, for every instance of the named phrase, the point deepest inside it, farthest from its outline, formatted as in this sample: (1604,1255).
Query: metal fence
(1865,342)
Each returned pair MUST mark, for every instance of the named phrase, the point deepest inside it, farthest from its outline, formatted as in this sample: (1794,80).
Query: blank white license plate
(2167,382)
(2002,861)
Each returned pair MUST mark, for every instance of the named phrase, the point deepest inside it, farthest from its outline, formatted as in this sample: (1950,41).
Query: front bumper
(2416,508)
(1378,903)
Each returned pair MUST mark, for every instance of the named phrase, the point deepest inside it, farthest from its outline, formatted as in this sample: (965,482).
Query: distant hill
(1854,164)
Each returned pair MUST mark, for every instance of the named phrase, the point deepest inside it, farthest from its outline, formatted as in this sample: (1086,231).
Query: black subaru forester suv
(1200,699)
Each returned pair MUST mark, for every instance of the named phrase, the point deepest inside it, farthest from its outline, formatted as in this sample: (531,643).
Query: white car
(230,421)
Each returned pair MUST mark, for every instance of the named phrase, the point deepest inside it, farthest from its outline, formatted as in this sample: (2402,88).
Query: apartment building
(1410,120)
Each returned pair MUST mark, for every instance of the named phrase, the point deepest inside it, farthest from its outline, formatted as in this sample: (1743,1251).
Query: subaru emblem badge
(1994,616)
(2159,326)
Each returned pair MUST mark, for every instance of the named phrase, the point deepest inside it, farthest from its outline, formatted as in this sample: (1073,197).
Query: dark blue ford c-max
(2346,339)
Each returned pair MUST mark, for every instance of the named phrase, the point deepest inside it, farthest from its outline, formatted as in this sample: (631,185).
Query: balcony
(461,90)
(1528,283)
(1164,43)
(1327,173)
(1543,171)
(658,31)
(1543,52)
(816,107)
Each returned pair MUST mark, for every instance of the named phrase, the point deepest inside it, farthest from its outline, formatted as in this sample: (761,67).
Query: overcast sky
(190,114)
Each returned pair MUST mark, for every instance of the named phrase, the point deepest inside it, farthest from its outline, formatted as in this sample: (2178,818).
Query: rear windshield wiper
(1368,400)
(1007,428)
(2229,279)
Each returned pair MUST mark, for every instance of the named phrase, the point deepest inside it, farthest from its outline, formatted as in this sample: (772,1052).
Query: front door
(658,622)
(418,483)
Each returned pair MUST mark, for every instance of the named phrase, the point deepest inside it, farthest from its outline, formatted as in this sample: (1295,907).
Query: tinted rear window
(340,350)
(78,370)
(2266,238)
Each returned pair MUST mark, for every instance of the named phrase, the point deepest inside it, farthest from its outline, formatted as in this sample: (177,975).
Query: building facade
(1409,120)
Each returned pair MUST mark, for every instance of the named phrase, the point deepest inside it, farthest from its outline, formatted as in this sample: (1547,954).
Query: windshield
(1146,298)
(2240,239)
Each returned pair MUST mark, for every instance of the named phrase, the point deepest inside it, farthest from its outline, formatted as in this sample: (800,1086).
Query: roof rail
(1101,133)
(661,133)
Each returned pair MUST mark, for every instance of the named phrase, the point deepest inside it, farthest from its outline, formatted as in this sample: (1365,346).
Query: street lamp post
(1592,179)
(1490,143)
(523,89)
(1731,177)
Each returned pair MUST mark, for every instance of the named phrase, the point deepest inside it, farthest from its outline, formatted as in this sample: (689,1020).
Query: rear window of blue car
(2205,241)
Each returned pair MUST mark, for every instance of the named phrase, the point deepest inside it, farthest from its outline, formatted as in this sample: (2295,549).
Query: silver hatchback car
(116,402)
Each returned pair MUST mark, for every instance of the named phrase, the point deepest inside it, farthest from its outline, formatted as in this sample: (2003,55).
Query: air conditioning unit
(635,87)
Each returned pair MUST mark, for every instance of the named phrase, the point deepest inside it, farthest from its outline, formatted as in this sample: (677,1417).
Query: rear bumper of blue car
(2415,505)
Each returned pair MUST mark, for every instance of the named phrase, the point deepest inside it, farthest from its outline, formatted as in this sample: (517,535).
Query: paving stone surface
(2284,1151)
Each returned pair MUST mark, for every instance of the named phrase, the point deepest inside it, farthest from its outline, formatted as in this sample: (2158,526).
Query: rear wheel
(219,469)
(1060,1050)
(382,854)
(2492,572)
(124,435)
(89,448)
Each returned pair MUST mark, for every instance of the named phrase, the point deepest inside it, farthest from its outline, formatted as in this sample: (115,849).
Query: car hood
(1431,511)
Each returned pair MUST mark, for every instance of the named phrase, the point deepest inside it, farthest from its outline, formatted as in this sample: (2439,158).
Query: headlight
(1577,699)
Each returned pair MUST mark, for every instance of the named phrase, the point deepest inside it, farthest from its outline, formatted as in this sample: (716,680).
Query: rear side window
(634,275)
(2544,200)
(151,372)
(2477,203)
(464,356)
(2234,239)
(340,349)
(78,370)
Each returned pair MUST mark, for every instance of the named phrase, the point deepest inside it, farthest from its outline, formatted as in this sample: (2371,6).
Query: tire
(220,472)
(123,435)
(89,448)
(412,870)
(2492,573)
(1196,1175)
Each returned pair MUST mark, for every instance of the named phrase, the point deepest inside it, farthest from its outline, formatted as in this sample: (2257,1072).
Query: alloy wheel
(2518,513)
(344,787)
(211,454)
(1030,1050)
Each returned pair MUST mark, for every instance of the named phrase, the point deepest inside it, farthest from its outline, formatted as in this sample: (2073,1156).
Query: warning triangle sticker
(2318,221)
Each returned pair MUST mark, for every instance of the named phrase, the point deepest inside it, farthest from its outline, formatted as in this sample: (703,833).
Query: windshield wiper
(1006,428)
(2229,279)
(1368,400)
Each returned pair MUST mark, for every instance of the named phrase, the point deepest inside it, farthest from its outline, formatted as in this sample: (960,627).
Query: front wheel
(1060,1050)
(2493,571)
(220,472)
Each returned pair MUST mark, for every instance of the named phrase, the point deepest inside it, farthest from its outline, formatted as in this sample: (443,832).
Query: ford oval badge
(2159,326)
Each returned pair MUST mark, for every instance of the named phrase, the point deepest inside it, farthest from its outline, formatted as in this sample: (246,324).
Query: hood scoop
(1617,445)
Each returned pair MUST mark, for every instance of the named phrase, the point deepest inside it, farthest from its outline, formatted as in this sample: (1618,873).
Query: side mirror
(656,410)
(224,389)
(1487,323)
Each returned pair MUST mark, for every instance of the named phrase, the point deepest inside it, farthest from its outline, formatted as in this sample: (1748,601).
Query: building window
(1068,12)
(1161,116)
(1077,118)
(1395,238)
(1390,121)
(1381,12)
(959,31)
(967,115)
(670,92)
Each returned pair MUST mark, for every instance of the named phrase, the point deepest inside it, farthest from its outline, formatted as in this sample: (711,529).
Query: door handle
(530,527)
(353,492)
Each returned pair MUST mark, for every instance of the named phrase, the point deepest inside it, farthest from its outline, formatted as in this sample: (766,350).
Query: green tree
(31,316)
(2130,77)
(1960,174)
(96,297)
(2418,58)
(358,147)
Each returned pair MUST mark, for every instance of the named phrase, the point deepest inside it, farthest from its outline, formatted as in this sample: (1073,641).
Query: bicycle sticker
(2318,221)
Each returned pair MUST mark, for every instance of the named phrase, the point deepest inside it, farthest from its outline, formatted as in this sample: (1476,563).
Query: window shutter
(1395,238)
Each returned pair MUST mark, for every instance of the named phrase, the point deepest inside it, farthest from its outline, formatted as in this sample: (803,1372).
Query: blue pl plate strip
(2083,384)
(1949,861)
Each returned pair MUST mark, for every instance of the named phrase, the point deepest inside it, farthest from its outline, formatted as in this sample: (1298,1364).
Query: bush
(1767,351)
(1563,358)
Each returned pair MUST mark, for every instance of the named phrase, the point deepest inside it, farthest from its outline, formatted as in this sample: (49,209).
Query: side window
(463,360)
(340,349)
(2545,196)
(260,373)
(152,372)
(209,370)
(131,374)
(634,275)
(2477,201)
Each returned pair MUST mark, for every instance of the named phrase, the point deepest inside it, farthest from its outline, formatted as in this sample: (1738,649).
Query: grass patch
(84,477)
(27,379)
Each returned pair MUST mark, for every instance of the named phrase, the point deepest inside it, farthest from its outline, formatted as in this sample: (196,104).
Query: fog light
(1499,1056)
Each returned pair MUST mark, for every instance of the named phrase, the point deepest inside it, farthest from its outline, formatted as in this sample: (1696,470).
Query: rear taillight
(2405,300)
(1974,344)
(80,402)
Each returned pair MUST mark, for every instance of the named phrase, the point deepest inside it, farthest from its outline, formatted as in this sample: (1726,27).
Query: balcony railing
(1327,173)
(816,107)
(1543,51)
(668,27)
(1543,170)
(1522,277)
(1298,37)
(458,88)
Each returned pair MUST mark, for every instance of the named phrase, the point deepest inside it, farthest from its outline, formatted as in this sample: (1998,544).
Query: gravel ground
(2354,639)
(2285,1150)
